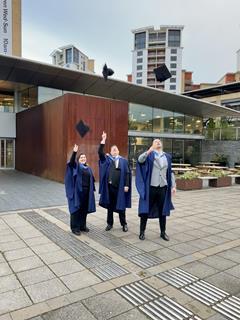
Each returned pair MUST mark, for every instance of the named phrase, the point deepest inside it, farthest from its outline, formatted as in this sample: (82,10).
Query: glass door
(7,153)
(178,151)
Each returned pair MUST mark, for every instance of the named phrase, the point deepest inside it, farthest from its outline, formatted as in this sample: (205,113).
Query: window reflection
(178,123)
(35,95)
(140,117)
(6,103)
(146,118)
(163,120)
(193,125)
(182,150)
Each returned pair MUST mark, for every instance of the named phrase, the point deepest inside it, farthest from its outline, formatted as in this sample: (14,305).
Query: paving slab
(218,262)
(9,283)
(66,267)
(80,280)
(25,264)
(46,290)
(13,300)
(35,275)
(5,269)
(133,314)
(199,269)
(226,282)
(107,305)
(74,311)
(18,254)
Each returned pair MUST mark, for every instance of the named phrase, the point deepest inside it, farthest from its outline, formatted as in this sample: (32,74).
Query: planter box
(193,184)
(221,182)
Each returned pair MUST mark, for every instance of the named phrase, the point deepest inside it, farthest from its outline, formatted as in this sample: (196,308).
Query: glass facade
(182,150)
(36,95)
(6,103)
(146,118)
(6,154)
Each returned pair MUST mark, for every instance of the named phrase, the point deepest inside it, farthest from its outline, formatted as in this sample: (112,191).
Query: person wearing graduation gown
(79,186)
(155,184)
(114,185)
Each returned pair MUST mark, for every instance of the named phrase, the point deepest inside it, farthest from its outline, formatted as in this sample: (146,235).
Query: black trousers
(113,192)
(156,198)
(78,219)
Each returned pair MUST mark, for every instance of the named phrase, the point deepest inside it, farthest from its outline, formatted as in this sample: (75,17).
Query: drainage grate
(177,277)
(77,249)
(229,307)
(109,271)
(138,293)
(108,240)
(205,292)
(165,308)
(93,260)
(127,251)
(145,260)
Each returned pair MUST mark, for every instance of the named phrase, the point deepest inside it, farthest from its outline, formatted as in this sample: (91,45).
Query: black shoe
(164,236)
(76,232)
(108,227)
(142,236)
(125,228)
(86,229)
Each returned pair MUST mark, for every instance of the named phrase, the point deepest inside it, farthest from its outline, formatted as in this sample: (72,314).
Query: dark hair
(80,154)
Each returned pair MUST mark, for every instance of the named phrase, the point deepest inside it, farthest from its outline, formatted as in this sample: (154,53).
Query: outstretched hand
(75,148)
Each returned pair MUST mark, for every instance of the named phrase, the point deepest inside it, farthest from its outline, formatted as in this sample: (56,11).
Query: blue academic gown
(123,198)
(73,188)
(143,180)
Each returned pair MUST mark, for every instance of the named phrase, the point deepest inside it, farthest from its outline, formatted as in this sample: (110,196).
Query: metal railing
(231,133)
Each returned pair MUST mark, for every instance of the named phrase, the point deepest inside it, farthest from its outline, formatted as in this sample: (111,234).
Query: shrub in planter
(221,159)
(222,179)
(189,181)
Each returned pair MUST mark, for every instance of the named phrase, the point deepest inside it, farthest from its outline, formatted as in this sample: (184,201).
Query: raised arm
(101,152)
(73,156)
(143,157)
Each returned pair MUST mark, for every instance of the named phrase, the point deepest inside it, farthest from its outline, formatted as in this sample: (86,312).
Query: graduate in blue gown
(79,186)
(155,183)
(114,185)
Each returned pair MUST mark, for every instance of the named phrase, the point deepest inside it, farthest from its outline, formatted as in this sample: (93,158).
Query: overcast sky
(102,30)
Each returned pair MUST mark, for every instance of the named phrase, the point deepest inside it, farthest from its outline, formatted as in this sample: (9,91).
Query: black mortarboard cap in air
(82,128)
(107,72)
(162,73)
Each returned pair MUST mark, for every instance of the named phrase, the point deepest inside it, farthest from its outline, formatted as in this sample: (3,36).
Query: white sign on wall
(6,27)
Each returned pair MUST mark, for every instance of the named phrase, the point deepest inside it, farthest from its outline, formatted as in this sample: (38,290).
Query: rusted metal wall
(46,133)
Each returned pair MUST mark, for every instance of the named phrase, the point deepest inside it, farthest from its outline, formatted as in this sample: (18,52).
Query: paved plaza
(47,273)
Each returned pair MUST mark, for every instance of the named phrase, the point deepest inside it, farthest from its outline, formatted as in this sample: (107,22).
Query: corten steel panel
(46,133)
(41,142)
(100,114)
